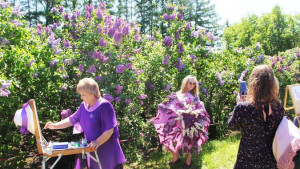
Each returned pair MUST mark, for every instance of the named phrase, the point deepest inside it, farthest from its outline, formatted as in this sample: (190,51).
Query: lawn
(216,154)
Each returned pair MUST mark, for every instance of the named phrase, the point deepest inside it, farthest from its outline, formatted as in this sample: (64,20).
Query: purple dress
(182,120)
(94,121)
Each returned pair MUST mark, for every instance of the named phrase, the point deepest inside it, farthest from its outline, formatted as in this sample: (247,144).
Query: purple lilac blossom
(30,63)
(66,16)
(4,93)
(74,16)
(52,63)
(111,32)
(137,81)
(180,65)
(89,8)
(54,26)
(16,23)
(102,42)
(166,60)
(99,29)
(4,41)
(142,96)
(219,77)
(99,13)
(204,90)
(180,48)
(172,17)
(39,30)
(66,76)
(125,30)
(118,89)
(69,61)
(188,26)
(5,85)
(138,72)
(168,41)
(61,9)
(120,69)
(127,101)
(108,97)
(170,7)
(88,16)
(180,17)
(4,4)
(63,87)
(35,75)
(134,110)
(54,10)
(177,34)
(243,74)
(297,53)
(150,86)
(118,99)
(92,69)
(166,17)
(16,11)
(137,51)
(65,113)
(102,5)
(107,20)
(128,65)
(168,87)
(67,44)
(136,36)
(118,37)
(118,23)
(98,78)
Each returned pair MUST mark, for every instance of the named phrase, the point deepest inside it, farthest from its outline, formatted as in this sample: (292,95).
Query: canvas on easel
(29,113)
(294,92)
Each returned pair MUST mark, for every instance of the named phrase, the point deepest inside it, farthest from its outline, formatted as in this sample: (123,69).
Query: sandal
(185,165)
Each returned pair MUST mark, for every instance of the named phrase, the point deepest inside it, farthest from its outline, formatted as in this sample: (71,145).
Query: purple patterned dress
(182,119)
(255,150)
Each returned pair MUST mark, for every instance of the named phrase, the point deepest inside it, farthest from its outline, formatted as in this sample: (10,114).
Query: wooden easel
(47,154)
(294,91)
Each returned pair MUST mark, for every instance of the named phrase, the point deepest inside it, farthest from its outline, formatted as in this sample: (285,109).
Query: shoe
(186,166)
(175,162)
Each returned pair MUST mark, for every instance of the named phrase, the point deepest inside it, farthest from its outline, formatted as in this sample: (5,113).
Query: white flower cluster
(188,109)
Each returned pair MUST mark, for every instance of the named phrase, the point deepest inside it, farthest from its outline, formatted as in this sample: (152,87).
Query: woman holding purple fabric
(96,117)
(182,121)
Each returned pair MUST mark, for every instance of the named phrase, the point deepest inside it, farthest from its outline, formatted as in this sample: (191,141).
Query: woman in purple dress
(257,118)
(182,121)
(96,117)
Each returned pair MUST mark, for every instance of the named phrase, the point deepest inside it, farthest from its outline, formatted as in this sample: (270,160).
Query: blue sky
(234,10)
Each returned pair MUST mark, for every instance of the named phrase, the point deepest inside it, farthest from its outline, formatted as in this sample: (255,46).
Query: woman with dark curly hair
(257,116)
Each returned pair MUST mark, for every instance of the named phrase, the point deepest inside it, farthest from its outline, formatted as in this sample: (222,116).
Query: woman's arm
(101,139)
(59,125)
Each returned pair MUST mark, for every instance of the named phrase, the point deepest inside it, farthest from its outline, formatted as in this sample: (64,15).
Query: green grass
(216,154)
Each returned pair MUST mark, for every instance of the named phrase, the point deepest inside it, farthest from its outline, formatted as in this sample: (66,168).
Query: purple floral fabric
(182,119)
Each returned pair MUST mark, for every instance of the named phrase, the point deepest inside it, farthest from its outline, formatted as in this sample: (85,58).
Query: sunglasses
(192,83)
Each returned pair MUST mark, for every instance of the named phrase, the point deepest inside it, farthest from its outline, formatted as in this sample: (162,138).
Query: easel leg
(44,162)
(58,158)
(98,161)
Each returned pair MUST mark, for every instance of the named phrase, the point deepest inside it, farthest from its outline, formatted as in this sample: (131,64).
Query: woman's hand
(94,144)
(240,98)
(50,125)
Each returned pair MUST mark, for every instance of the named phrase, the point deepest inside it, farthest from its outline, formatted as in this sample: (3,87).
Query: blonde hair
(90,86)
(184,83)
(263,86)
